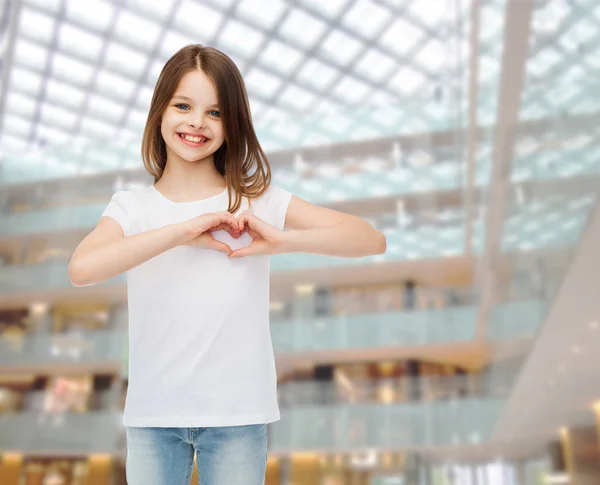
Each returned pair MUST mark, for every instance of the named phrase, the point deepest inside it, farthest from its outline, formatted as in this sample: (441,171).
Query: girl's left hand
(266,238)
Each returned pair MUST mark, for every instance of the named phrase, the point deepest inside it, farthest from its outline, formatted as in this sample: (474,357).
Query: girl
(196,246)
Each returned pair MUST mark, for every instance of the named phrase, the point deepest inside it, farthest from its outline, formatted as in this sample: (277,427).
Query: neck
(191,177)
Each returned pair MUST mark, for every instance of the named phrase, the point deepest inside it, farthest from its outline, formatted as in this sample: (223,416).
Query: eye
(215,112)
(182,106)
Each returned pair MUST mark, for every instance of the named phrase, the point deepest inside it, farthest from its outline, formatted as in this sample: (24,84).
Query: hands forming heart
(266,238)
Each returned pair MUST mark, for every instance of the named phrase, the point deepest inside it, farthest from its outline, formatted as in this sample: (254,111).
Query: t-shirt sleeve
(118,209)
(277,201)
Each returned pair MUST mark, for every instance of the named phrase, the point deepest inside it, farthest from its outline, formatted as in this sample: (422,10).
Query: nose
(196,121)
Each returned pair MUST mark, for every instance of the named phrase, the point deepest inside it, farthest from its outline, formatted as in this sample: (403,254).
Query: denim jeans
(228,455)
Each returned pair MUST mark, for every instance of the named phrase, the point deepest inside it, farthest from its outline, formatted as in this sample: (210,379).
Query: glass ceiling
(317,72)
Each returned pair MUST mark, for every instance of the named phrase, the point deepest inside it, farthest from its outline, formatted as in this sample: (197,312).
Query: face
(191,124)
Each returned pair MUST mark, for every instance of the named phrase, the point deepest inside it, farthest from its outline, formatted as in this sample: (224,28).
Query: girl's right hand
(197,232)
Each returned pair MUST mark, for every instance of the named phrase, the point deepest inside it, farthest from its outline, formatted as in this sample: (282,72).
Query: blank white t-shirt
(200,350)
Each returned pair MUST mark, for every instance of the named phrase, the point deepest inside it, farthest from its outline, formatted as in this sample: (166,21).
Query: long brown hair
(241,159)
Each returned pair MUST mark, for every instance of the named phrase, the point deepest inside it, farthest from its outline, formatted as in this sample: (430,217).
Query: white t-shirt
(200,350)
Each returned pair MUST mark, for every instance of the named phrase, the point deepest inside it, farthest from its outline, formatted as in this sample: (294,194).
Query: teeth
(194,139)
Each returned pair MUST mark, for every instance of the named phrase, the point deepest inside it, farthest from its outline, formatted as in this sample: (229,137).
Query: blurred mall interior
(466,130)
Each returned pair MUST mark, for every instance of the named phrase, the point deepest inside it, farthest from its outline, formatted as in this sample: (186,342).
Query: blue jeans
(228,455)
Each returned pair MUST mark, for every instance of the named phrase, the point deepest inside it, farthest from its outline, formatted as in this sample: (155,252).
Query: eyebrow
(190,100)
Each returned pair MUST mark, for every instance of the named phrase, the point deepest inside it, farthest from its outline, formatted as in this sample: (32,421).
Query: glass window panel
(64,94)
(331,8)
(125,60)
(25,81)
(171,43)
(94,14)
(280,57)
(265,12)
(375,66)
(53,114)
(545,60)
(20,104)
(16,125)
(36,25)
(316,139)
(30,55)
(351,90)
(73,40)
(137,30)
(336,123)
(187,17)
(48,5)
(297,97)
(302,28)
(327,107)
(137,120)
(14,143)
(159,10)
(366,17)
(401,37)
(68,69)
(105,108)
(240,38)
(407,81)
(432,55)
(317,73)
(341,47)
(489,68)
(94,128)
(261,82)
(155,70)
(52,135)
(144,98)
(431,17)
(285,132)
(257,109)
(114,85)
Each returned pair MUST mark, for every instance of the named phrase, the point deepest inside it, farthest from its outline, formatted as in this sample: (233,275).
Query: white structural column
(516,47)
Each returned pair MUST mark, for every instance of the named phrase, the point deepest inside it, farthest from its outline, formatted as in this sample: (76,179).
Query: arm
(313,229)
(106,252)
(319,230)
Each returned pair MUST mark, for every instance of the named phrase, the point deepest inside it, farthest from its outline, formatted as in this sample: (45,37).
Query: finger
(240,253)
(220,246)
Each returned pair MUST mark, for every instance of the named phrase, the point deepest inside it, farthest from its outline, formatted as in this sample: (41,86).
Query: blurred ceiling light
(305,289)
(38,308)
(556,478)
(276,306)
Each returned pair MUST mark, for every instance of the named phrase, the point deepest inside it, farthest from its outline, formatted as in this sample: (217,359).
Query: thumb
(220,246)
(240,253)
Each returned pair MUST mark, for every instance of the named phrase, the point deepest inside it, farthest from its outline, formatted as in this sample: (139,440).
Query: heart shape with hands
(249,234)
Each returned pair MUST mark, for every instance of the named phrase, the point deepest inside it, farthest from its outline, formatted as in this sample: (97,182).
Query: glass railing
(385,390)
(520,319)
(452,324)
(376,331)
(75,348)
(455,422)
(66,433)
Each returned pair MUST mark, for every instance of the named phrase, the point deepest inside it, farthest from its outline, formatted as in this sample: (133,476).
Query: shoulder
(272,205)
(130,200)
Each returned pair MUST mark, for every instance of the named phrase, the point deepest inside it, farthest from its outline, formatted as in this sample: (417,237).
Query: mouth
(193,140)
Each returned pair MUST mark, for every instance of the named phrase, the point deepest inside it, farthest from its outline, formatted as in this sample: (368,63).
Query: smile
(193,140)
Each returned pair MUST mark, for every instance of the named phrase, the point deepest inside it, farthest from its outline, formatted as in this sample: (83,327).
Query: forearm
(351,239)
(104,260)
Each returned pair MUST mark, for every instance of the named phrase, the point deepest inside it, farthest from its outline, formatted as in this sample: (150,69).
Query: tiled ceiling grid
(317,72)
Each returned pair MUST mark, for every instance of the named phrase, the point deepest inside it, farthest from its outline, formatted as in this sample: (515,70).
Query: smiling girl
(196,247)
